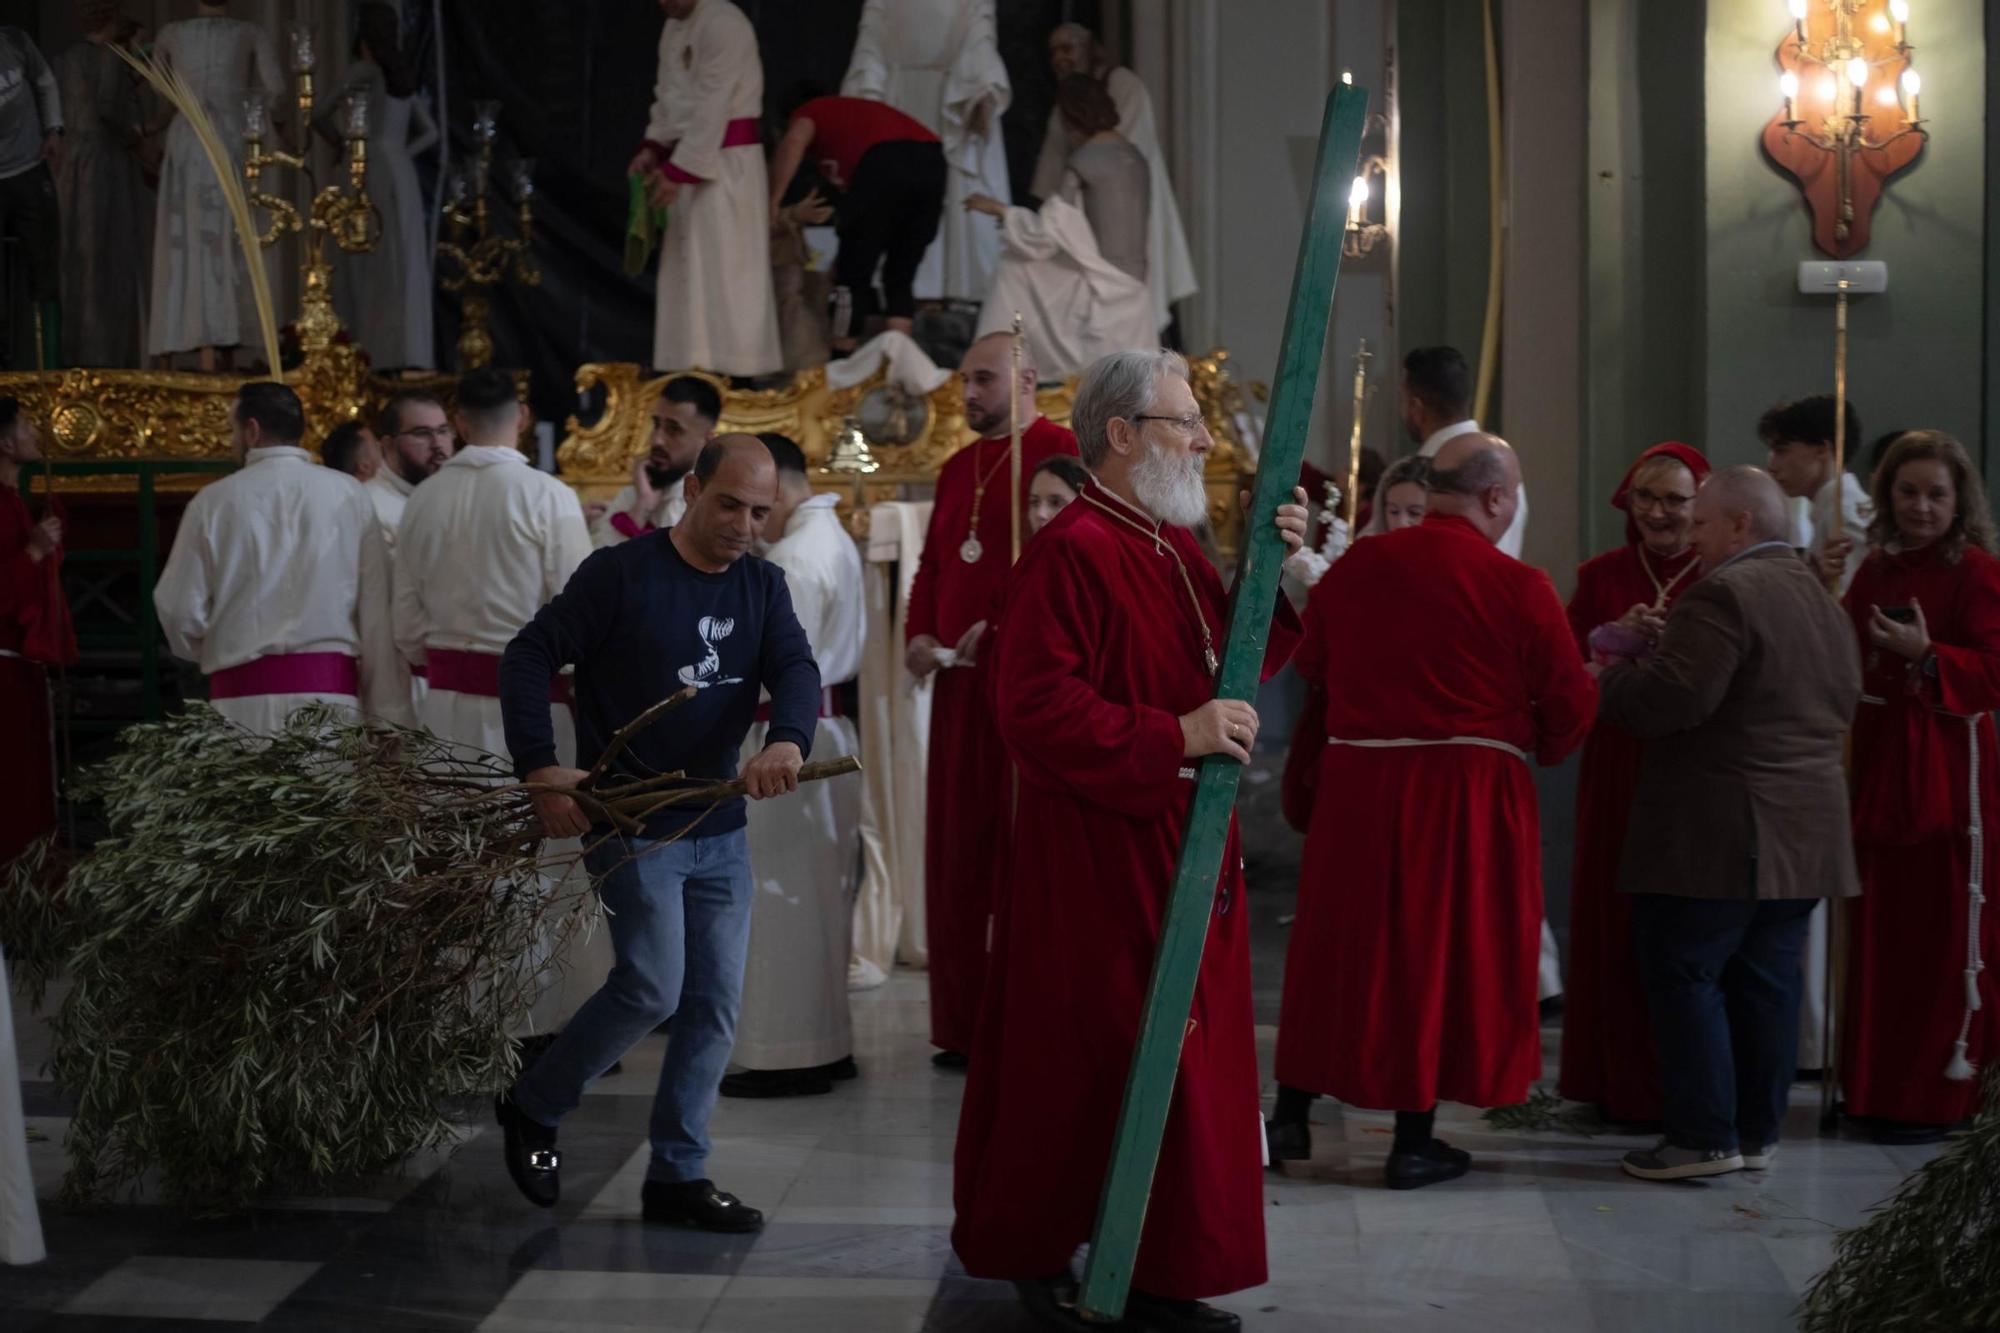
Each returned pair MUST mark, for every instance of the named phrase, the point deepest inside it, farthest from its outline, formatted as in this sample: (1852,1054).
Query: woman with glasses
(1923,1012)
(1620,602)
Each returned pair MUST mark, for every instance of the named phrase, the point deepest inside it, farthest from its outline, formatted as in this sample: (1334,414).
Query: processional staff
(1014,440)
(1362,356)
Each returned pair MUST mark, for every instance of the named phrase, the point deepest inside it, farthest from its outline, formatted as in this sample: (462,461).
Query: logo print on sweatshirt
(701,675)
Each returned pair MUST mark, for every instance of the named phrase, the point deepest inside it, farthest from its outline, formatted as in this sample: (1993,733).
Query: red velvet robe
(35,633)
(1100,658)
(1411,973)
(1906,998)
(1608,1055)
(966,797)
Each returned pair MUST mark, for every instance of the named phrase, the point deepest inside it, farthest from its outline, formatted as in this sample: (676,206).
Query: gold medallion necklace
(970,549)
(1161,544)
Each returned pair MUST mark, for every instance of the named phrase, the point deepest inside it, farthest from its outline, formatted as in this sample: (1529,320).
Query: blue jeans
(679,915)
(1722,980)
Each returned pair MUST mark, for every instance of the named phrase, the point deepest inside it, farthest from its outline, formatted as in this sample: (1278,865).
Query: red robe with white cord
(1911,959)
(1411,973)
(1101,657)
(35,634)
(966,804)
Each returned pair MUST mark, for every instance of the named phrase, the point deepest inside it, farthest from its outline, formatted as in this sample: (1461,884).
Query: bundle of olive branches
(1929,1259)
(292,953)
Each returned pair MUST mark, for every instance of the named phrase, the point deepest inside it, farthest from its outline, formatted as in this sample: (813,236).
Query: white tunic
(485,541)
(669,503)
(939,61)
(201,286)
(1169,268)
(284,556)
(1076,305)
(805,854)
(388,492)
(1517,531)
(716,309)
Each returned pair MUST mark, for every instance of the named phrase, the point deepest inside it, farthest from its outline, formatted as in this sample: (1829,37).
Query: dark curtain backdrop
(575,80)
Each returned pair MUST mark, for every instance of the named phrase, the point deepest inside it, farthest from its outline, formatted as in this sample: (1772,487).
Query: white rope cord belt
(1414,742)
(1960,1067)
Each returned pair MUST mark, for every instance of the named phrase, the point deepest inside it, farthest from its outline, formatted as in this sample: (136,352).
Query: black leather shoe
(532,1159)
(1289,1140)
(1157,1314)
(698,1204)
(776,1083)
(1052,1301)
(1435,1161)
(949,1059)
(1905,1133)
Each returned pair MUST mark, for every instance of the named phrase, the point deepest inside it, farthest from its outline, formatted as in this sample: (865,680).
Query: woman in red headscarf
(1608,1057)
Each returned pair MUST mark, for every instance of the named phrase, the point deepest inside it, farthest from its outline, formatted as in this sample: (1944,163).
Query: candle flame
(1788,84)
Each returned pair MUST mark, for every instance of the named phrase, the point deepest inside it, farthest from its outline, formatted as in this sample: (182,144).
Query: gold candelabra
(483,259)
(348,216)
(1830,105)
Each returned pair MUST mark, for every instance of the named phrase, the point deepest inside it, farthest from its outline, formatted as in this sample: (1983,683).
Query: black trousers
(1722,980)
(889,216)
(33,271)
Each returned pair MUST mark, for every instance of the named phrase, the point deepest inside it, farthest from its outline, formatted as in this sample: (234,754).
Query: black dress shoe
(1157,1314)
(1435,1161)
(949,1060)
(532,1159)
(1052,1301)
(1289,1140)
(843,1068)
(698,1204)
(776,1083)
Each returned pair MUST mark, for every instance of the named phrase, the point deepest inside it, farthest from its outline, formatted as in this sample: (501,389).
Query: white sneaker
(1760,1159)
(1665,1161)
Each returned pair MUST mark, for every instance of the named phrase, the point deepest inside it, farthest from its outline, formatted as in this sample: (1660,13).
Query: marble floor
(1544,1235)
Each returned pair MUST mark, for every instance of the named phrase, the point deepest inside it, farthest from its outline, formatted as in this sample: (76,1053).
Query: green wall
(1918,352)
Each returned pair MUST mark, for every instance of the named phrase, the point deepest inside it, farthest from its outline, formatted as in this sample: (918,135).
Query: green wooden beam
(1142,1119)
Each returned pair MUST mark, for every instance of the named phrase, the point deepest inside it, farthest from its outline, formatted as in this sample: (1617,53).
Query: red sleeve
(1564,694)
(922,615)
(1968,678)
(1066,734)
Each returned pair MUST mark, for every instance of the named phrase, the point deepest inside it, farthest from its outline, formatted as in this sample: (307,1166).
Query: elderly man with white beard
(1104,685)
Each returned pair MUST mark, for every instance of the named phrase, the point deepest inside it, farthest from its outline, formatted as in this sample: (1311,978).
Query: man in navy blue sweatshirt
(687,605)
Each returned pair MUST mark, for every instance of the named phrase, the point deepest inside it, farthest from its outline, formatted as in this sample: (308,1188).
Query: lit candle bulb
(1788,84)
(1347,77)
(1899,10)
(1913,83)
(1357,201)
(1857,79)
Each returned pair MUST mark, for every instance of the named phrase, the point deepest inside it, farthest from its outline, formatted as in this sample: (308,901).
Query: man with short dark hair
(684,418)
(278,584)
(416,438)
(1800,437)
(685,606)
(483,544)
(1411,977)
(1739,824)
(794,1036)
(349,448)
(1436,404)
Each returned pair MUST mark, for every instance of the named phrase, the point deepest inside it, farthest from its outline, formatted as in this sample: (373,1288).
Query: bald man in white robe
(794,1035)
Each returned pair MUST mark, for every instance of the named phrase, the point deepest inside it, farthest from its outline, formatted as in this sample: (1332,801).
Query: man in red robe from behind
(35,634)
(954,602)
(1411,973)
(1105,683)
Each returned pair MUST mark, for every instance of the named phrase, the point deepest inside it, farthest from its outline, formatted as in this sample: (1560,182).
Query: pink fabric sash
(477,673)
(288,673)
(744,133)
